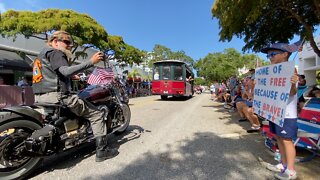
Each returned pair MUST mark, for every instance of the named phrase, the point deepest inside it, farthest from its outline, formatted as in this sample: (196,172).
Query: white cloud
(2,8)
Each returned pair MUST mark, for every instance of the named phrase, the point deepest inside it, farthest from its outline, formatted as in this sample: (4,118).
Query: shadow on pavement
(174,99)
(73,156)
(198,159)
(238,158)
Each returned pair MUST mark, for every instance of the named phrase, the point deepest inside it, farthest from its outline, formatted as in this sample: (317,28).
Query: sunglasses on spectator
(272,54)
(67,42)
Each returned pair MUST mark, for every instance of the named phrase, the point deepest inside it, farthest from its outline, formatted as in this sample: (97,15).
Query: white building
(309,62)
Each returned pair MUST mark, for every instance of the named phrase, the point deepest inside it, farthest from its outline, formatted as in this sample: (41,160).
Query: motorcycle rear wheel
(126,115)
(13,165)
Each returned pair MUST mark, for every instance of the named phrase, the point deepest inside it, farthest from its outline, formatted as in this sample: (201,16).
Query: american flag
(297,46)
(100,76)
(258,63)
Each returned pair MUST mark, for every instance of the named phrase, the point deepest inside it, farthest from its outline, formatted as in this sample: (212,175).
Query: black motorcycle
(27,136)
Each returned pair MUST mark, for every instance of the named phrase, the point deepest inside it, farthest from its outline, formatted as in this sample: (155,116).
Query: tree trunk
(310,38)
(314,46)
(308,28)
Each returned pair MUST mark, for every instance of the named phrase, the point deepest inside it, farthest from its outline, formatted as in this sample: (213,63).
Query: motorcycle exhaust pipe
(115,129)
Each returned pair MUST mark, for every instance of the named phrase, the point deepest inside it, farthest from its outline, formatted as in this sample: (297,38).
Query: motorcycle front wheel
(13,164)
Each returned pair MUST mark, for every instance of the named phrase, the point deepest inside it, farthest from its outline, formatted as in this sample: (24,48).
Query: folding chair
(309,128)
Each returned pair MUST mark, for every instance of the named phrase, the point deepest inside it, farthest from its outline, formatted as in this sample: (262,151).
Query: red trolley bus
(172,78)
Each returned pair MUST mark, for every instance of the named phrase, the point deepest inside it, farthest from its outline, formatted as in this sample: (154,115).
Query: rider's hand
(97,57)
(75,77)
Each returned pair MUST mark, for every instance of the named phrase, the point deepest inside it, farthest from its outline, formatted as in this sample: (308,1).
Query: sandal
(242,120)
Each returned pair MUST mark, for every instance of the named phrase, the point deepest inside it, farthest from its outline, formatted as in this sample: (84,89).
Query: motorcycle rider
(52,83)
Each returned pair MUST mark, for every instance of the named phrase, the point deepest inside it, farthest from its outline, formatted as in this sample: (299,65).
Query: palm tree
(134,74)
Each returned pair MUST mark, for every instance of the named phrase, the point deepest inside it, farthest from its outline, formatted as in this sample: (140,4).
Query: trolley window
(178,73)
(166,72)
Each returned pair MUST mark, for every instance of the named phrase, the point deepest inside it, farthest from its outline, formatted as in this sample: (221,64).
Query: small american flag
(297,46)
(100,76)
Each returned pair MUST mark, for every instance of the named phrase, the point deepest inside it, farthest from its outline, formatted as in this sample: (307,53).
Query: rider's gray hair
(58,35)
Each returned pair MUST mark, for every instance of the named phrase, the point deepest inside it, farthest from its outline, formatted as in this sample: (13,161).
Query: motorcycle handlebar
(108,55)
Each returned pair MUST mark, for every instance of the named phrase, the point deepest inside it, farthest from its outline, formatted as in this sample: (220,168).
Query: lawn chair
(309,128)
(308,136)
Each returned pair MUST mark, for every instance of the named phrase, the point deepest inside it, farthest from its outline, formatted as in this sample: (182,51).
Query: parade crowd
(237,95)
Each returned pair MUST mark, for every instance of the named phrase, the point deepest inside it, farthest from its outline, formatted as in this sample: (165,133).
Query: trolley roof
(170,60)
(174,61)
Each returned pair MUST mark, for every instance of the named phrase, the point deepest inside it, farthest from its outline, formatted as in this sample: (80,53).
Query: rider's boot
(102,151)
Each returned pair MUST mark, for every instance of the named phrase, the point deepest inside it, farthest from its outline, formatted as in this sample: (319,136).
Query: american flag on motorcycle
(100,76)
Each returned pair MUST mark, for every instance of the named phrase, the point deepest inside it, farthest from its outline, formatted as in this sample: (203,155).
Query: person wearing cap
(278,53)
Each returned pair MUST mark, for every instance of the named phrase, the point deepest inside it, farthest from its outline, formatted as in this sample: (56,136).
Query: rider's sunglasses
(67,42)
(272,54)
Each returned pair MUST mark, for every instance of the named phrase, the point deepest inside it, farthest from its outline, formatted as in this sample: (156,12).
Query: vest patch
(36,71)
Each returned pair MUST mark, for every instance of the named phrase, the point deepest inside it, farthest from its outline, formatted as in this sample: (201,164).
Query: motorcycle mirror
(110,52)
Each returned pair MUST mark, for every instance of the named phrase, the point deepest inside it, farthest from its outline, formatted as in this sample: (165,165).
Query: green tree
(125,52)
(161,52)
(132,55)
(200,81)
(263,22)
(85,31)
(181,55)
(134,74)
(220,66)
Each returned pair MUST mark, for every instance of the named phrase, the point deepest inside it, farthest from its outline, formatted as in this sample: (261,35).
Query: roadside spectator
(278,53)
(227,98)
(233,82)
(23,82)
(302,88)
(212,92)
(244,107)
(314,92)
(1,81)
(156,76)
(236,98)
(134,92)
(216,86)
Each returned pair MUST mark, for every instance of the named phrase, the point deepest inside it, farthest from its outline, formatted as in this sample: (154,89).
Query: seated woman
(227,98)
(245,110)
(236,98)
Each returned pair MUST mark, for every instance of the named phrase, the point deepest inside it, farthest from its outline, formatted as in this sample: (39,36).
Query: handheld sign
(272,89)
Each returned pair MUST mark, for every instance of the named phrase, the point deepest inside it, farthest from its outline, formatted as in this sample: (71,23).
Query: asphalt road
(175,139)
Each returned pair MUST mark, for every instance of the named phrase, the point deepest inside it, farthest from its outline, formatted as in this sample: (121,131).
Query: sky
(177,24)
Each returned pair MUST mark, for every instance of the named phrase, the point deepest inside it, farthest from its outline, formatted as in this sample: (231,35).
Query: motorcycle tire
(127,115)
(12,134)
(163,97)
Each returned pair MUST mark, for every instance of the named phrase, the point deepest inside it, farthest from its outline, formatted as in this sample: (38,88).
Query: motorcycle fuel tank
(95,93)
